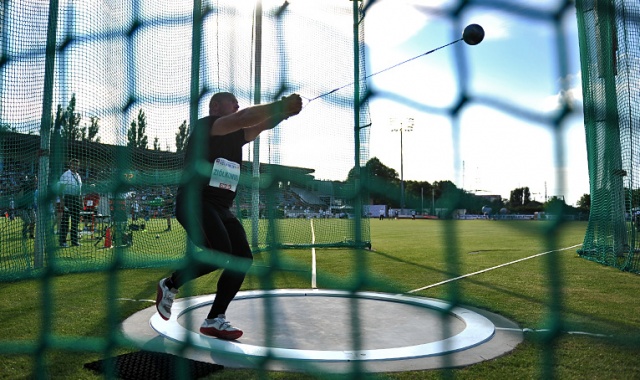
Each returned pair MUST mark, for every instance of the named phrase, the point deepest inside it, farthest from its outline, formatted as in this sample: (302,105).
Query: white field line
(492,268)
(135,300)
(313,257)
(527,330)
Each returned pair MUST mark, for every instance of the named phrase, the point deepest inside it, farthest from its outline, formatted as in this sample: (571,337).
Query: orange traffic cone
(107,238)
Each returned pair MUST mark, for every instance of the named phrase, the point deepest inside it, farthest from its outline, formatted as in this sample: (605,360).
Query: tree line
(384,187)
(383,182)
(68,122)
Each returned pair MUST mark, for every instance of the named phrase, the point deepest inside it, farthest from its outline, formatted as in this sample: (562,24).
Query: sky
(487,149)
(491,150)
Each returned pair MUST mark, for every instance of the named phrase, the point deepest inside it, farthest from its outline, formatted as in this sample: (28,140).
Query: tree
(132,140)
(448,195)
(156,143)
(92,130)
(557,206)
(181,136)
(137,137)
(376,169)
(59,120)
(70,121)
(584,203)
(418,194)
(4,127)
(519,197)
(381,181)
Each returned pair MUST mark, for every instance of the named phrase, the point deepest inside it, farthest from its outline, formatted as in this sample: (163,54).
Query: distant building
(490,197)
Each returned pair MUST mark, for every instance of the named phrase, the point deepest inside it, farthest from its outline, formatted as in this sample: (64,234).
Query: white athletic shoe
(220,328)
(164,299)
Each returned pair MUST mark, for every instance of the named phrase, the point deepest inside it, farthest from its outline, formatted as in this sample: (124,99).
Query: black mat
(154,366)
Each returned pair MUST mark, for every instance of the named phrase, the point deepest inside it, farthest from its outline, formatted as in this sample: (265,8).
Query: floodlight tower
(406,125)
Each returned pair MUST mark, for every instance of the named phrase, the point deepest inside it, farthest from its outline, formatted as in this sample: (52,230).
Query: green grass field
(153,246)
(558,290)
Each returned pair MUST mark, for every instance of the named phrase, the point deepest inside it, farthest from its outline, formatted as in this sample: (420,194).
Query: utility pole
(406,125)
(433,201)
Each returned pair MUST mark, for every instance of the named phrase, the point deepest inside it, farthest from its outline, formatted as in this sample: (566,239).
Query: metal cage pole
(45,131)
(257,83)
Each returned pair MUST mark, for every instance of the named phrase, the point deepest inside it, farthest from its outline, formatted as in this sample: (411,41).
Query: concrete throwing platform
(312,331)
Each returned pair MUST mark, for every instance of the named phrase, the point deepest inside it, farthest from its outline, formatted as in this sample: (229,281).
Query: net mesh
(121,106)
(609,42)
(111,83)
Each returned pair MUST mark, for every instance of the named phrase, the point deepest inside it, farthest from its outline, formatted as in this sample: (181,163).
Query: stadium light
(406,125)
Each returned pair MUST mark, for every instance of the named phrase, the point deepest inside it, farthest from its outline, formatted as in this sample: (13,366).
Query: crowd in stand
(18,199)
(17,188)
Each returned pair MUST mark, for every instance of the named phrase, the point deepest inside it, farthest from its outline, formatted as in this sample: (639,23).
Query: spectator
(71,203)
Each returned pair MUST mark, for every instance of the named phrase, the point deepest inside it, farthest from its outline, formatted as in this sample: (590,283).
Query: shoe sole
(226,335)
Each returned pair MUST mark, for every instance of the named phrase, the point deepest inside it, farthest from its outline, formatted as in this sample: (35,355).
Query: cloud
(495,24)
(571,93)
(392,22)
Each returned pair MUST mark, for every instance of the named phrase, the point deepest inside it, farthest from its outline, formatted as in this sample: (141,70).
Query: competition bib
(225,174)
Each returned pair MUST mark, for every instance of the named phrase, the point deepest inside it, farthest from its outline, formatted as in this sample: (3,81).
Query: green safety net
(609,60)
(116,85)
(121,99)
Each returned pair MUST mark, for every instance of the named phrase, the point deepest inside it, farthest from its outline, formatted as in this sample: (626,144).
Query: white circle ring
(478,329)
